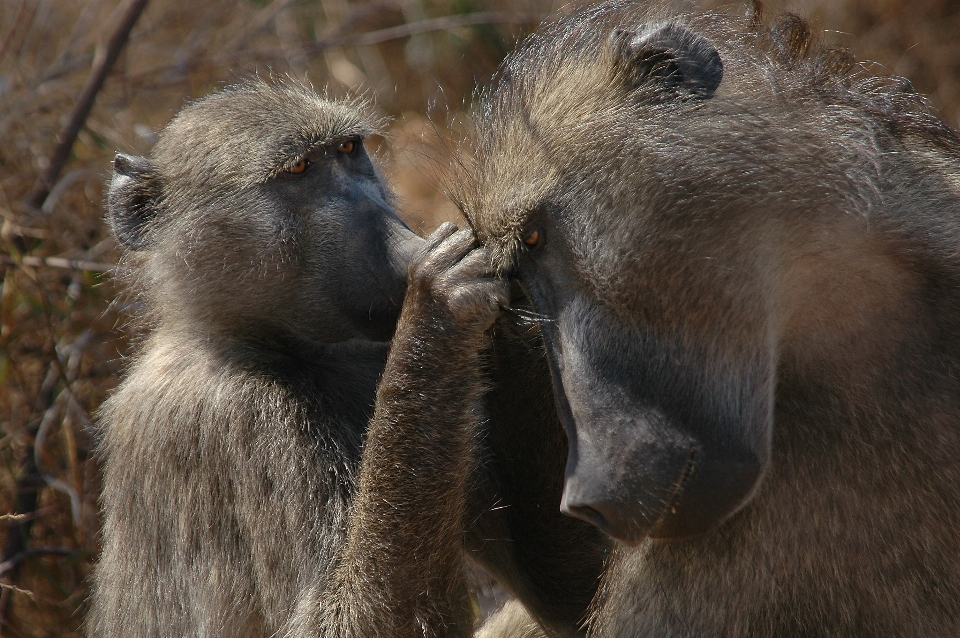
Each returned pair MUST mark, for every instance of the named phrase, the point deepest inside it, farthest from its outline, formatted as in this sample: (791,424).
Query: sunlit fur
(806,215)
(231,447)
(235,499)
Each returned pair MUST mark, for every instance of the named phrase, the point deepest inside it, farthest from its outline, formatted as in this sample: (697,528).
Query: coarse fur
(236,501)
(744,248)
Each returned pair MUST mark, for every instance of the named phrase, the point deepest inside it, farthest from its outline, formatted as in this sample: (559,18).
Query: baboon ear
(670,59)
(132,199)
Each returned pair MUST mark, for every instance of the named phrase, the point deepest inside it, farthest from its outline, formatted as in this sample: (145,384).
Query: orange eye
(347,147)
(532,238)
(300,166)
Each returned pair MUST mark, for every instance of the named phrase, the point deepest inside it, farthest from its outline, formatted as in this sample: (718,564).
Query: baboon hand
(455,279)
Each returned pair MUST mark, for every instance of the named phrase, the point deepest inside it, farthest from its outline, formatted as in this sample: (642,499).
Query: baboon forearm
(403,551)
(404,541)
(420,443)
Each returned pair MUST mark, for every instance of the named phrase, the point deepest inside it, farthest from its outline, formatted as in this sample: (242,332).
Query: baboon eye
(347,147)
(300,166)
(533,237)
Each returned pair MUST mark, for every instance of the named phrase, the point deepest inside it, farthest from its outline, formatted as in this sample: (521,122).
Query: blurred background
(62,327)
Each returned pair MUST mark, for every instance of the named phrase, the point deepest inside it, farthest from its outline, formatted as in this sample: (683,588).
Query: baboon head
(260,214)
(616,174)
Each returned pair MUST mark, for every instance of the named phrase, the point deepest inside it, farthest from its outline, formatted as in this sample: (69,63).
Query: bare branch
(13,30)
(14,588)
(29,516)
(361,39)
(425,26)
(101,66)
(57,262)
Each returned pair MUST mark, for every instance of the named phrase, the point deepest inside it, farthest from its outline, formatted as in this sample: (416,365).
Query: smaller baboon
(744,250)
(264,247)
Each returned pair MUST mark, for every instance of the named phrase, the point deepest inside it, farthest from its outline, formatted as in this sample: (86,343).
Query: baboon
(264,249)
(744,250)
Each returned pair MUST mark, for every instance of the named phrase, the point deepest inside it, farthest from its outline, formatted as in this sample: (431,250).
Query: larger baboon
(746,251)
(272,268)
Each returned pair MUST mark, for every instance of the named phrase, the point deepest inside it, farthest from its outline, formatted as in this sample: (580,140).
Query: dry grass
(61,337)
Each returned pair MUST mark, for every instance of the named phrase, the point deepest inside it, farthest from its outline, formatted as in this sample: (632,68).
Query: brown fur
(235,499)
(780,254)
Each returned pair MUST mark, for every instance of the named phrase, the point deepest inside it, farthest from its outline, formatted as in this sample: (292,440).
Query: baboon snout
(657,489)
(647,460)
(627,486)
(603,514)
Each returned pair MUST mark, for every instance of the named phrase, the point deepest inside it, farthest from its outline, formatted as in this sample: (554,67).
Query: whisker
(527,316)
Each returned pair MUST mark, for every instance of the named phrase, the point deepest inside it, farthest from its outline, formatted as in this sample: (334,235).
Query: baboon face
(260,212)
(595,185)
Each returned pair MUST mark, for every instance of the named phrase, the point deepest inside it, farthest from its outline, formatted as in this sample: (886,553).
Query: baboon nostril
(586,513)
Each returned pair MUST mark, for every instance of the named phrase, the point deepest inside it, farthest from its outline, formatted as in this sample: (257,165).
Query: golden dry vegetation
(62,338)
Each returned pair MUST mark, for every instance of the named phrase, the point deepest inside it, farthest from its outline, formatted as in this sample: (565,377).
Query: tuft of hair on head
(280,121)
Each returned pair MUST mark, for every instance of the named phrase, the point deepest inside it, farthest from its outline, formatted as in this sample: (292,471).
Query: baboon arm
(401,571)
(512,621)
(402,550)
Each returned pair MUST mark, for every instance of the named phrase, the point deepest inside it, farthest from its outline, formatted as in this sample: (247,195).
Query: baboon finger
(477,264)
(477,303)
(435,239)
(448,253)
(499,293)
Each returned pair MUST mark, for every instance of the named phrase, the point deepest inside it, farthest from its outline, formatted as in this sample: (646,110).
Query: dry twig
(57,262)
(101,66)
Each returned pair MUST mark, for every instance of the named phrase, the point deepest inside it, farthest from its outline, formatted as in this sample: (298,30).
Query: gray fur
(232,446)
(236,499)
(752,310)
